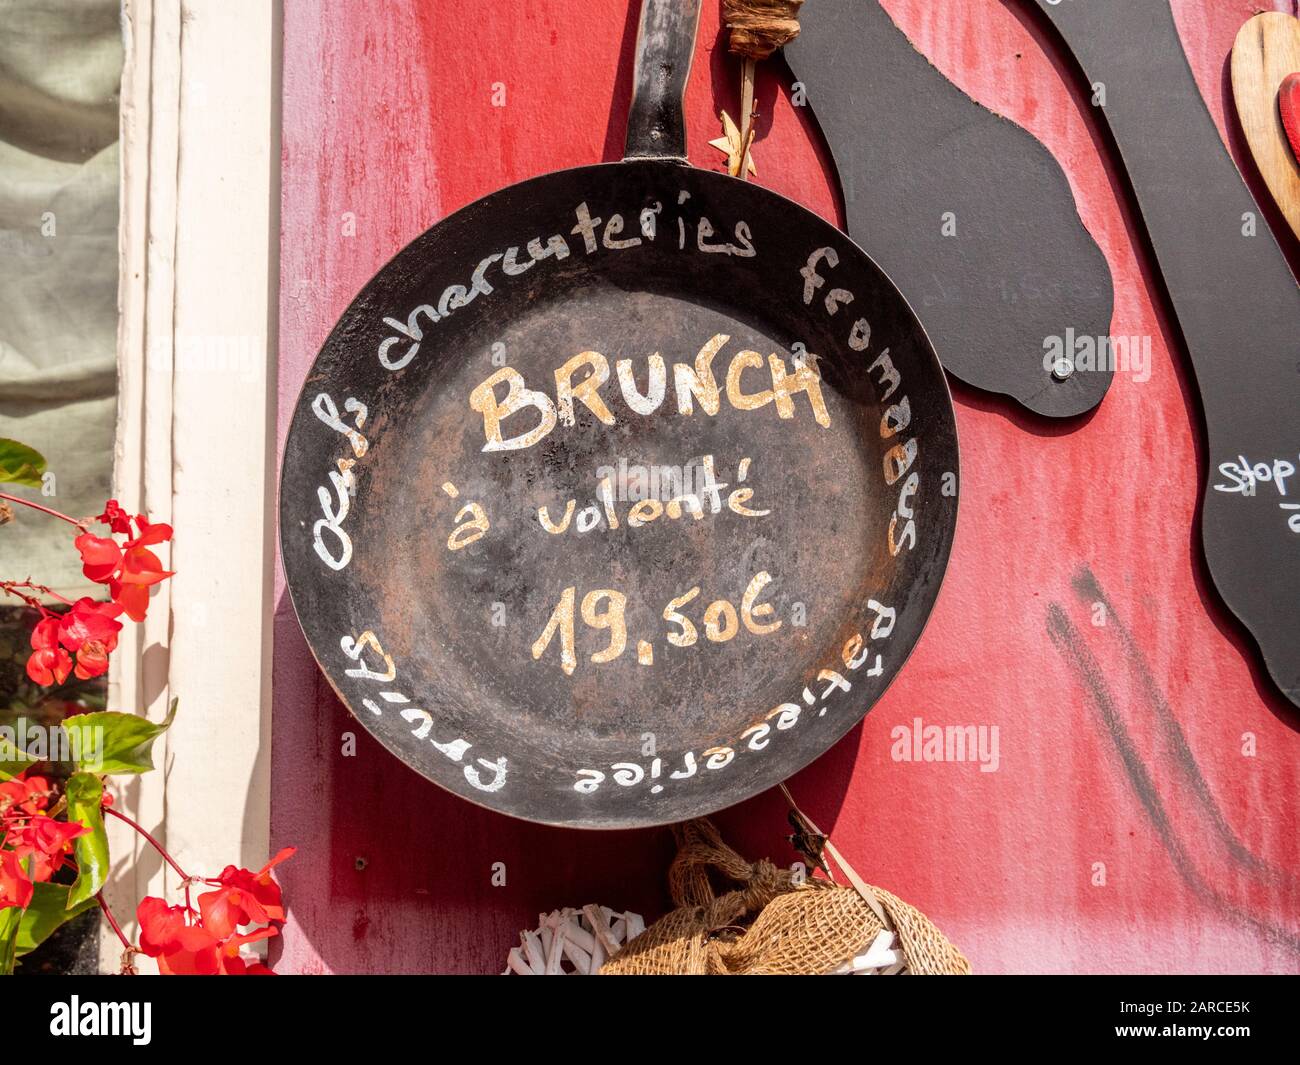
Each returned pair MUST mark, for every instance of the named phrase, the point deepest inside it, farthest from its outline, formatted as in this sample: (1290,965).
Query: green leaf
(10,756)
(48,909)
(13,759)
(20,464)
(84,793)
(10,916)
(109,742)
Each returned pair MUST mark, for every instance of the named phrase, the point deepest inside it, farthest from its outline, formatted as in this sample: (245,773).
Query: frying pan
(621,494)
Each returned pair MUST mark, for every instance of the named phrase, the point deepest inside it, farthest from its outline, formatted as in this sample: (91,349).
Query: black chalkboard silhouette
(970,214)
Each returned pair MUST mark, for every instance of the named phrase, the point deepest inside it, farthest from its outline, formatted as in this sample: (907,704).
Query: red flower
(89,630)
(48,843)
(49,663)
(116,518)
(193,952)
(203,954)
(250,968)
(184,949)
(129,570)
(244,897)
(208,942)
(89,621)
(92,661)
(15,885)
(181,948)
(100,556)
(160,925)
(24,796)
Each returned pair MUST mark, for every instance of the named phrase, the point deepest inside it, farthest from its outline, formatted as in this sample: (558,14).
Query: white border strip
(198,299)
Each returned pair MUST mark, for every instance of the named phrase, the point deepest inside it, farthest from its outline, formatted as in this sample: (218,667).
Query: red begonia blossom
(245,897)
(15,885)
(47,842)
(129,569)
(88,631)
(185,949)
(49,663)
(24,796)
(116,518)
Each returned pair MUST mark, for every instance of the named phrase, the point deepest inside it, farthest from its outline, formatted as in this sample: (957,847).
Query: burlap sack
(769,924)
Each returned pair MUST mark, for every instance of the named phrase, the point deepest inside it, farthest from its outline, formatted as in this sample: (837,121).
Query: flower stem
(152,842)
(14,588)
(44,510)
(103,905)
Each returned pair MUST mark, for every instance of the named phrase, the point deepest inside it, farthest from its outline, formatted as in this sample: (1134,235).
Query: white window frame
(198,301)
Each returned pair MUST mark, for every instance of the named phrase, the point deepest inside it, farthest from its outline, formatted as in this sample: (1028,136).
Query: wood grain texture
(1075,616)
(1266,51)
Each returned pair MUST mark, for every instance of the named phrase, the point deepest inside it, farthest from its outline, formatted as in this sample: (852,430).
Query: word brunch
(691,385)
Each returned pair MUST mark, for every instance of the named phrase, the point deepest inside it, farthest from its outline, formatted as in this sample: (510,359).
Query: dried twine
(759,27)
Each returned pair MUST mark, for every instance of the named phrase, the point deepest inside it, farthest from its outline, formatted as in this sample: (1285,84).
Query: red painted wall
(1120,743)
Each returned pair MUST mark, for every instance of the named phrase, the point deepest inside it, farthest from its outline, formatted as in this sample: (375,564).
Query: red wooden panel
(1076,617)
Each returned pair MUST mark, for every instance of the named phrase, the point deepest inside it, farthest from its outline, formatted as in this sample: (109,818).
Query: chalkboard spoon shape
(1237,306)
(969,212)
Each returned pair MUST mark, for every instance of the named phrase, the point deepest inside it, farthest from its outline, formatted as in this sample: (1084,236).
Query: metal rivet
(1062,369)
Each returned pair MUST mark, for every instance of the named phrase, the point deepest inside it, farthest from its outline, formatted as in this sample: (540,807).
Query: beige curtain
(60,70)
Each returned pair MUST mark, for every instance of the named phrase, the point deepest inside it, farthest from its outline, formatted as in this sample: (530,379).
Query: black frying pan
(784,493)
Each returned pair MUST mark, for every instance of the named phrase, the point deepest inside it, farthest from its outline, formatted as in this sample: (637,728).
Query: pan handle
(665,46)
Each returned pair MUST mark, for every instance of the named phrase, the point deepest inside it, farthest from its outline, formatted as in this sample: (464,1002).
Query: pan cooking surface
(624,528)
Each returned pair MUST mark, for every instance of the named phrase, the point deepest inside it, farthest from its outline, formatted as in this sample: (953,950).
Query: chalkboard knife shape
(969,213)
(1236,302)
(1266,51)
